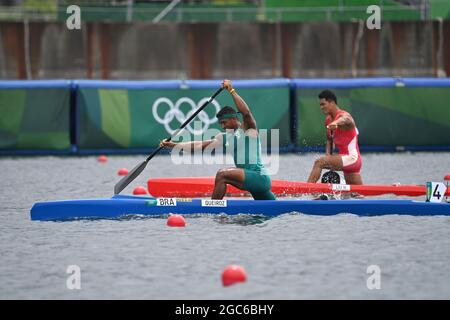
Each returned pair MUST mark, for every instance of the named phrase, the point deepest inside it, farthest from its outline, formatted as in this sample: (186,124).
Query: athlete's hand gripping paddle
(125,181)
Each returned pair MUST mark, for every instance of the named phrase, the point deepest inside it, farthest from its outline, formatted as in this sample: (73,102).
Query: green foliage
(40,5)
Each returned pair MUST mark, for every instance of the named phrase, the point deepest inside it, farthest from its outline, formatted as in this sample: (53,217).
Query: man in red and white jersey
(342,131)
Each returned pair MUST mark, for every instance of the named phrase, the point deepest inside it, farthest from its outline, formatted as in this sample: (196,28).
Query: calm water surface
(292,256)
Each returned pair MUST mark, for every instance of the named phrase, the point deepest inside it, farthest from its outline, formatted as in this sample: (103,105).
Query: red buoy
(102,159)
(139,190)
(447,177)
(122,172)
(233,274)
(176,220)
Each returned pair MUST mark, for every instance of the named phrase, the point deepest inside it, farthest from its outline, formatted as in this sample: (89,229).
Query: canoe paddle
(331,176)
(125,181)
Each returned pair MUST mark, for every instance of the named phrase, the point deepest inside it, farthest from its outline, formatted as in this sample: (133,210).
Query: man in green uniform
(243,138)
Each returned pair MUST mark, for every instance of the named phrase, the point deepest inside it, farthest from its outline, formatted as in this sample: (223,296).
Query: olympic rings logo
(175,112)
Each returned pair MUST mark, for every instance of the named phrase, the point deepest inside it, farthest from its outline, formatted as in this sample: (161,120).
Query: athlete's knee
(221,175)
(319,162)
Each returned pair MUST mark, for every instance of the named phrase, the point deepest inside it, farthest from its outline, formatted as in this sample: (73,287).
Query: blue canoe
(119,206)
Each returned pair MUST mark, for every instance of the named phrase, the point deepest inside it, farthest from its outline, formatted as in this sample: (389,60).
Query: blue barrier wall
(35,117)
(79,116)
(392,114)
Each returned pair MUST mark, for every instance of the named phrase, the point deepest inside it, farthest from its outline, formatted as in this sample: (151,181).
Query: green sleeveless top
(246,150)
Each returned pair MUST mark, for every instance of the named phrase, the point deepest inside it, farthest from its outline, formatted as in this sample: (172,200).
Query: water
(292,256)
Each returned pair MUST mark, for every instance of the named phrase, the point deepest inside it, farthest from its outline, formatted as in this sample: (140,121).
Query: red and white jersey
(345,140)
(347,143)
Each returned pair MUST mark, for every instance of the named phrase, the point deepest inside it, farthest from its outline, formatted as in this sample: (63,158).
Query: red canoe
(203,187)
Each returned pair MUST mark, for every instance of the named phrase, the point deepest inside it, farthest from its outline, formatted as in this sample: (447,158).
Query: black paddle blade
(125,181)
(331,177)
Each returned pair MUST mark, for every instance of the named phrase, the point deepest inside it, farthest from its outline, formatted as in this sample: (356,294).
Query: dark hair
(328,95)
(225,110)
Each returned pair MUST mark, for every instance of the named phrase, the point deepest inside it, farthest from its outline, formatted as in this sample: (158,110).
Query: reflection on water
(241,219)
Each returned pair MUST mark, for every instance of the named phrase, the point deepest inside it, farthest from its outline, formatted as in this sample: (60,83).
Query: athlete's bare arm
(345,122)
(249,120)
(194,145)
